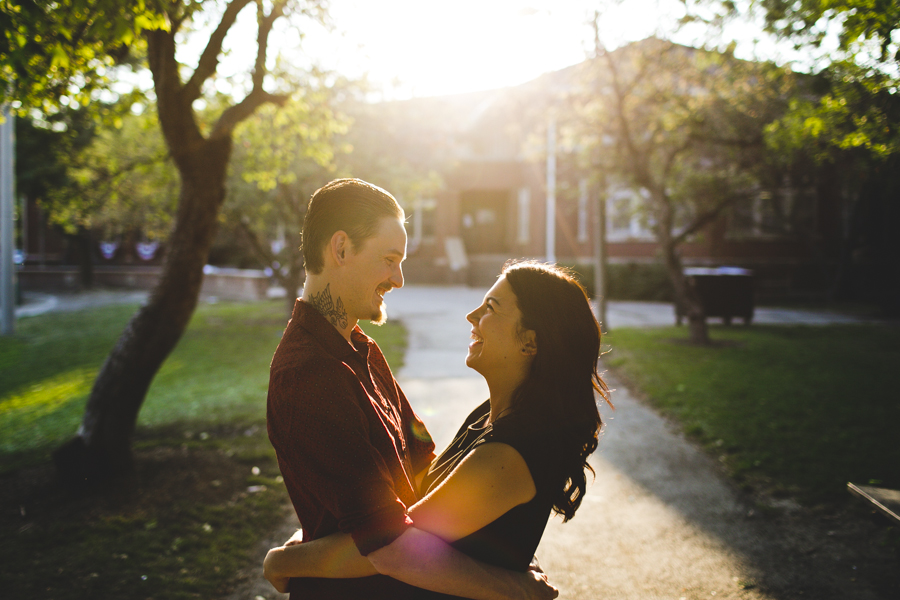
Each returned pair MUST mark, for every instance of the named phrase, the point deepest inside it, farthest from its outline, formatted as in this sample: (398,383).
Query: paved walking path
(619,313)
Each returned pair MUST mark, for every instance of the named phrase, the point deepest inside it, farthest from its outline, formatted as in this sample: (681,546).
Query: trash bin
(725,292)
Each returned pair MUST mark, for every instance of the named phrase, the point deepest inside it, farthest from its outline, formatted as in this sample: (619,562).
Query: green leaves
(861,24)
(51,50)
(857,117)
(117,176)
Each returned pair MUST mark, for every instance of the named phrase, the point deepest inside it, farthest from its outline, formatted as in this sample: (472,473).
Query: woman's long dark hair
(558,395)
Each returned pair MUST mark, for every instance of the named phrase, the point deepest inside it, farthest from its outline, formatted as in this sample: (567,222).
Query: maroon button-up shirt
(348,442)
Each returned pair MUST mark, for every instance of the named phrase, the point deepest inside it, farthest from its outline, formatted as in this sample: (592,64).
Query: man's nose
(397,277)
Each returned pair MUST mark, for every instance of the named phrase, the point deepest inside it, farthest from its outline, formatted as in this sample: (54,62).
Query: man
(348,443)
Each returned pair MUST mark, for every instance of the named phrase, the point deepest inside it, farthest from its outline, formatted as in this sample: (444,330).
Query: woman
(520,454)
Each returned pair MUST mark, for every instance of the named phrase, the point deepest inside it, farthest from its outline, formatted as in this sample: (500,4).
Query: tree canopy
(681,128)
(53,51)
(61,55)
(856,22)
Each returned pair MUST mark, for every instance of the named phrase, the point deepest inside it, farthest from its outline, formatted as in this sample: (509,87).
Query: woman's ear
(529,342)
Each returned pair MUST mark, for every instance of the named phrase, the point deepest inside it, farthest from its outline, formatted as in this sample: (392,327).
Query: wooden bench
(887,501)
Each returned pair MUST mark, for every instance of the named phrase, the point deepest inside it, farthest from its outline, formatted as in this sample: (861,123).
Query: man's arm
(416,557)
(493,479)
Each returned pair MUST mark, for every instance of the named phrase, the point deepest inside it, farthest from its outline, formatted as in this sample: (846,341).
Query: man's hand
(279,582)
(536,586)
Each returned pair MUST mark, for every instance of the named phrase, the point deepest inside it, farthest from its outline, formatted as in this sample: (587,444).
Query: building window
(423,220)
(768,215)
(626,216)
(524,219)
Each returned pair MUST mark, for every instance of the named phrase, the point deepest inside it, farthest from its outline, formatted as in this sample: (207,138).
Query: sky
(426,48)
(432,48)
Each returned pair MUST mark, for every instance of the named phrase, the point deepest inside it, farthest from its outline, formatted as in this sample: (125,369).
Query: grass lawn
(207,486)
(799,410)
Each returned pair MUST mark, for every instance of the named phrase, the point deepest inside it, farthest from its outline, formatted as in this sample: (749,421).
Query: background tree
(392,145)
(851,132)
(120,182)
(64,50)
(44,148)
(683,128)
(281,157)
(849,128)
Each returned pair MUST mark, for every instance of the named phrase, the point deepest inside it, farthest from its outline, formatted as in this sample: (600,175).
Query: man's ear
(529,342)
(340,246)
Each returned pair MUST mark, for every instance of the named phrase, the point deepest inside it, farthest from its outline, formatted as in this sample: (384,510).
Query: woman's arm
(493,479)
(426,561)
(490,481)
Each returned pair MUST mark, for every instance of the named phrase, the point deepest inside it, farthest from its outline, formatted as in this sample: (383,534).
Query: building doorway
(484,221)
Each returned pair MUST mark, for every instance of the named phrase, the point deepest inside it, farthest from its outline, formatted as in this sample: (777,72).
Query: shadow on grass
(182,526)
(206,487)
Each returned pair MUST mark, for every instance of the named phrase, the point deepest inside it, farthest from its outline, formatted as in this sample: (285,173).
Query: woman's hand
(271,572)
(295,539)
(537,586)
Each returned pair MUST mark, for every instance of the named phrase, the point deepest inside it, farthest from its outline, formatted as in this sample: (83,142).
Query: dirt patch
(218,480)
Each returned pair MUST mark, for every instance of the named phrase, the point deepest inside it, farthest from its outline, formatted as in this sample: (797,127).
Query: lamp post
(551,190)
(7,238)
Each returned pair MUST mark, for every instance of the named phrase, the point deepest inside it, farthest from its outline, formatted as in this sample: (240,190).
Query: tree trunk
(292,288)
(102,446)
(296,272)
(685,294)
(85,259)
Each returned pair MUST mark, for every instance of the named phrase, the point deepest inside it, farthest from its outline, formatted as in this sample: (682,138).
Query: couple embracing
(381,515)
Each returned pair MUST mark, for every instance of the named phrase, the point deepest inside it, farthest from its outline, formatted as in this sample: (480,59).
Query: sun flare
(428,48)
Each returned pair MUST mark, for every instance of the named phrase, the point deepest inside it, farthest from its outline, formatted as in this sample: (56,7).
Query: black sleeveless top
(509,541)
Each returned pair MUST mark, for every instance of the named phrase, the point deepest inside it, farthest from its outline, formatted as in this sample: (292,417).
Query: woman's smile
(476,340)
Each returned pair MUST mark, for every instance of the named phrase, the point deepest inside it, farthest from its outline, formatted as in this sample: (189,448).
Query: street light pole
(7,238)
(600,260)
(551,190)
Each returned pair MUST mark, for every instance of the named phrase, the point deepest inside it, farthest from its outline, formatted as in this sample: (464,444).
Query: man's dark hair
(350,205)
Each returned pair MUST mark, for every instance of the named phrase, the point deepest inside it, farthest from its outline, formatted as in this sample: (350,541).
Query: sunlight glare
(410,48)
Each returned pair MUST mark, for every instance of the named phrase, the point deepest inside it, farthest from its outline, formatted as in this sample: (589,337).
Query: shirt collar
(310,319)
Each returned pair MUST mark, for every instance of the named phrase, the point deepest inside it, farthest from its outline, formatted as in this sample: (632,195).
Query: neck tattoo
(331,310)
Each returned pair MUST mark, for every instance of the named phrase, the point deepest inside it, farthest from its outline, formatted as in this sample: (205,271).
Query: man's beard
(379,317)
(379,314)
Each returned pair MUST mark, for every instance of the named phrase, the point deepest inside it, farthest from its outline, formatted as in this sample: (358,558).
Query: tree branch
(703,220)
(670,159)
(262,40)
(625,130)
(258,96)
(287,199)
(257,246)
(209,60)
(753,142)
(237,113)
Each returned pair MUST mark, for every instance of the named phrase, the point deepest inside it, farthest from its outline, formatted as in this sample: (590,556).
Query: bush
(629,281)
